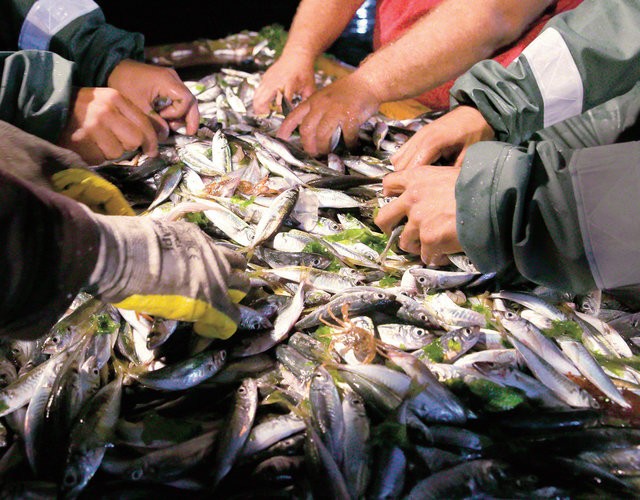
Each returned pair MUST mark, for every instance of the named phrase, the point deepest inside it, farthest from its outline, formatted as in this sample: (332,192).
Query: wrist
(300,54)
(366,87)
(119,72)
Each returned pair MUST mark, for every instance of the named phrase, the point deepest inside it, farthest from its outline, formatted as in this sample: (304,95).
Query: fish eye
(510,315)
(423,317)
(242,389)
(315,262)
(95,371)
(70,479)
(137,474)
(422,280)
(223,355)
(420,332)
(380,295)
(55,339)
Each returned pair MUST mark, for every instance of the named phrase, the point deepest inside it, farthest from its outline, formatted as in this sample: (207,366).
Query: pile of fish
(356,372)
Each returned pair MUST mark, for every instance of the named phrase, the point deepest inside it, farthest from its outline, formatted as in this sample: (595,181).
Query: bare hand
(288,76)
(348,102)
(447,137)
(143,83)
(427,200)
(103,124)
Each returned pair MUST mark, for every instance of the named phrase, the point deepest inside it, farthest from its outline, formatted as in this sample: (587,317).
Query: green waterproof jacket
(46,48)
(561,209)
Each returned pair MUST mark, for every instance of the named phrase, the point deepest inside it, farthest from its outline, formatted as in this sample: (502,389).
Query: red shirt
(394,17)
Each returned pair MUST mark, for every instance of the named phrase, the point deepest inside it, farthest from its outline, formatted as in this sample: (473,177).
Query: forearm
(316,25)
(583,58)
(35,91)
(437,49)
(74,29)
(516,209)
(49,250)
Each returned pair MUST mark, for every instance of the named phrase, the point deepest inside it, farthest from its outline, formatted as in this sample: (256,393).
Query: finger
(391,215)
(322,134)
(262,99)
(108,142)
(183,107)
(134,115)
(292,121)
(91,153)
(434,244)
(235,259)
(460,157)
(193,119)
(160,125)
(350,135)
(414,153)
(394,184)
(409,240)
(239,281)
(308,130)
(307,91)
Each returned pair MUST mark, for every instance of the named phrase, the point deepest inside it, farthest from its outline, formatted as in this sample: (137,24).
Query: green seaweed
(495,396)
(377,241)
(566,328)
(388,281)
(317,247)
(276,35)
(197,218)
(434,351)
(105,325)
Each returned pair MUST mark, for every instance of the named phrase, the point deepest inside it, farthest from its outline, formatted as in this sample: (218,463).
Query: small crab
(359,340)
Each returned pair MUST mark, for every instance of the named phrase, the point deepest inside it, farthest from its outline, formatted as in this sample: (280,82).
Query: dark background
(188,20)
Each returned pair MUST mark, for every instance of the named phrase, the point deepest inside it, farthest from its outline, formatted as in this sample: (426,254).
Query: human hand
(103,124)
(427,199)
(169,269)
(346,103)
(291,74)
(143,83)
(47,165)
(447,137)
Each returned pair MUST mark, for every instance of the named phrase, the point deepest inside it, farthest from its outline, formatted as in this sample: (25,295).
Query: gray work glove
(169,269)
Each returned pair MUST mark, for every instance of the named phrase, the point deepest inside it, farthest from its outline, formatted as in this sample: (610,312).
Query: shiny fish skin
(234,435)
(373,324)
(185,374)
(326,412)
(566,390)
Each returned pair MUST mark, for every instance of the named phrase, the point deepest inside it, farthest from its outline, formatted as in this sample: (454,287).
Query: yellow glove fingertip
(94,191)
(236,295)
(216,331)
(209,322)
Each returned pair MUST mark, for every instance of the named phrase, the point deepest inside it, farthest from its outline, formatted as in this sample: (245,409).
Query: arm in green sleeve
(516,210)
(617,120)
(35,91)
(96,47)
(74,29)
(583,58)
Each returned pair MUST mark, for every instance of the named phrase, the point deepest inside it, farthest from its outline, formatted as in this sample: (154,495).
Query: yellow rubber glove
(94,191)
(44,164)
(169,269)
